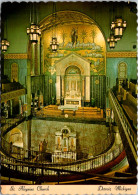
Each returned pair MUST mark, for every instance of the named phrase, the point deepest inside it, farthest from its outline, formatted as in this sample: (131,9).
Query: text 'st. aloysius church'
(69,91)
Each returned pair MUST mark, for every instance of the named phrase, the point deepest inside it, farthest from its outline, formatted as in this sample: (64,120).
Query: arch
(83,65)
(16,137)
(122,70)
(73,59)
(66,128)
(65,17)
(71,70)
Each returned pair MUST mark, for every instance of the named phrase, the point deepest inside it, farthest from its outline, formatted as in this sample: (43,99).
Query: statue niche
(65,145)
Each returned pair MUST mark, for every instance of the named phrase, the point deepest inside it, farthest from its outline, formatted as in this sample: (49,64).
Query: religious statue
(74,36)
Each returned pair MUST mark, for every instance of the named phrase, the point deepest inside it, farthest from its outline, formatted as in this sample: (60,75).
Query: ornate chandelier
(118,27)
(54,43)
(4,45)
(111,40)
(33,32)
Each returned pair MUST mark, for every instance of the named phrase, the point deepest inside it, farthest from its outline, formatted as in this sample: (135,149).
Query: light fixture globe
(54,44)
(4,45)
(112,25)
(33,32)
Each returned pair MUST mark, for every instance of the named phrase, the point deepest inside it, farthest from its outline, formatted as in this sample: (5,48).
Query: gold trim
(16,56)
(121,54)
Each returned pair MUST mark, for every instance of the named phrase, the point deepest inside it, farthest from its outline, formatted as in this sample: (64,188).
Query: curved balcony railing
(51,169)
(131,135)
(8,124)
(84,153)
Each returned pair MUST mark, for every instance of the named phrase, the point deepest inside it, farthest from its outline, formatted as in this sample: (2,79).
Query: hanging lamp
(33,31)
(54,43)
(111,40)
(4,43)
(118,27)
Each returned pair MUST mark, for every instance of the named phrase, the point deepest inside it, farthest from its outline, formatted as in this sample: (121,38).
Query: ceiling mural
(85,39)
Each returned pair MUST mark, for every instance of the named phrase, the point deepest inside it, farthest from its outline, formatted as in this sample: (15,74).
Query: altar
(73,97)
(65,145)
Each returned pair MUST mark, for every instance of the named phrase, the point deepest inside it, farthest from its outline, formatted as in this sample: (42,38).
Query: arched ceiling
(65,17)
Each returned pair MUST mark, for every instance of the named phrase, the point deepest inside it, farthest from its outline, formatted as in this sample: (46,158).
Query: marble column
(33,59)
(83,85)
(38,56)
(28,84)
(42,58)
(87,89)
(58,89)
(63,85)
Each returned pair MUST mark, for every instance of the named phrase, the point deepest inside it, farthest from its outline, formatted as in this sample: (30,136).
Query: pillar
(42,58)
(20,107)
(124,96)
(33,99)
(28,84)
(29,137)
(11,107)
(87,89)
(83,85)
(38,93)
(63,85)
(38,56)
(58,89)
(33,59)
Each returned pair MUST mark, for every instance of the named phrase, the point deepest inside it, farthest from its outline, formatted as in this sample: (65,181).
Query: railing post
(58,176)
(42,170)
(9,171)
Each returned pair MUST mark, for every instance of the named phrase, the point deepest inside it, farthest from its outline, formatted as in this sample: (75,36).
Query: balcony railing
(46,169)
(129,132)
(36,156)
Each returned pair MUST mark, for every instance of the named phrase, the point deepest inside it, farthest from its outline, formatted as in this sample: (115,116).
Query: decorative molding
(121,54)
(12,94)
(16,56)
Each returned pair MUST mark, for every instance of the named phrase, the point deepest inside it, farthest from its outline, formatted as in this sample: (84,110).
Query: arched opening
(16,137)
(72,82)
(122,72)
(79,34)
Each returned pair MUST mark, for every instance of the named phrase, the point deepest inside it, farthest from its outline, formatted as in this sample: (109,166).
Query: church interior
(68,93)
